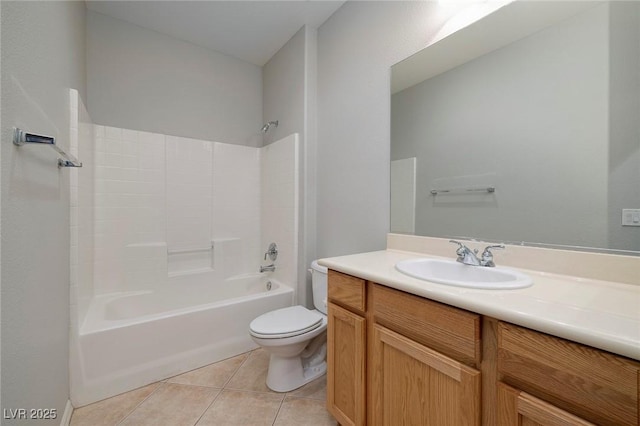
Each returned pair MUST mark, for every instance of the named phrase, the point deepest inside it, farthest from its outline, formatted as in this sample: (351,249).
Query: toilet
(295,338)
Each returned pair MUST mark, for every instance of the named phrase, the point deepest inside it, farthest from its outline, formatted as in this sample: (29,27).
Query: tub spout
(270,268)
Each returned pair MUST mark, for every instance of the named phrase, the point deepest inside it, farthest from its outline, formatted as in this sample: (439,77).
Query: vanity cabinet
(396,358)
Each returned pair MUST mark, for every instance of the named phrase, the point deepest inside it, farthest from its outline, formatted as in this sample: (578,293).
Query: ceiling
(249,30)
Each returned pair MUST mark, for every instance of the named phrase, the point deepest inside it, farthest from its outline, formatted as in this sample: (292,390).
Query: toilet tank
(319,285)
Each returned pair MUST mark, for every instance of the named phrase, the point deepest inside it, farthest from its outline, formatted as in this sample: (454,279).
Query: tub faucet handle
(272,252)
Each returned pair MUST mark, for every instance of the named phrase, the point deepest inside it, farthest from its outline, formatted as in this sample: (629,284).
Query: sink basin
(457,274)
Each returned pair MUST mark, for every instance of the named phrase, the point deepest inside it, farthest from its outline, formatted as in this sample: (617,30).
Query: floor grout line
(269,392)
(195,385)
(224,386)
(208,406)
(275,419)
(161,384)
(304,397)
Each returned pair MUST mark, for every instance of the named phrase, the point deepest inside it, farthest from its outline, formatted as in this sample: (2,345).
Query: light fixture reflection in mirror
(548,119)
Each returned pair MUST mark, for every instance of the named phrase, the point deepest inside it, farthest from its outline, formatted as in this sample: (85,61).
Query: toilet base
(288,373)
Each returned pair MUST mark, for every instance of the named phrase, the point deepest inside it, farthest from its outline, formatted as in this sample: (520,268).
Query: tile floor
(229,392)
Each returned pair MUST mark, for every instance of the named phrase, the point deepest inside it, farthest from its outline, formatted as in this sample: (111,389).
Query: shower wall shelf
(20,137)
(488,189)
(190,250)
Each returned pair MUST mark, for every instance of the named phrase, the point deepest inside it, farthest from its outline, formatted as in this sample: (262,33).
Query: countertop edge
(574,332)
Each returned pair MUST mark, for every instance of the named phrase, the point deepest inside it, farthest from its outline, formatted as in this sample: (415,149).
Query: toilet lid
(285,322)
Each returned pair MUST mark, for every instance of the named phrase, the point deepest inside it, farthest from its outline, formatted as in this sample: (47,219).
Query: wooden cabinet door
(346,342)
(415,385)
(517,408)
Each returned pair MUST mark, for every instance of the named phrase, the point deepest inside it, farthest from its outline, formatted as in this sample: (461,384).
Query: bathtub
(128,340)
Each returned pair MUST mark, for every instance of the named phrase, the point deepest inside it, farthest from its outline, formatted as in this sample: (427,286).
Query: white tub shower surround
(172,232)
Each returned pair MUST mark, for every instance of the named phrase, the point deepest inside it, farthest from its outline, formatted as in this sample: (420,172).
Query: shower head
(265,128)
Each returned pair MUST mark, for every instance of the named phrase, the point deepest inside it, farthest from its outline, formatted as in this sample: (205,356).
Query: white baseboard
(66,417)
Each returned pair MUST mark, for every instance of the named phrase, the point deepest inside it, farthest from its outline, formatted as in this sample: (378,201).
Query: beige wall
(143,80)
(283,89)
(43,45)
(356,47)
(289,96)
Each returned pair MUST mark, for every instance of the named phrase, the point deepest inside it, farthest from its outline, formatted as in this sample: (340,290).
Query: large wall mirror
(523,127)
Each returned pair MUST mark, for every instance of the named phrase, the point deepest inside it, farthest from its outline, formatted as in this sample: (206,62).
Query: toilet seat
(286,322)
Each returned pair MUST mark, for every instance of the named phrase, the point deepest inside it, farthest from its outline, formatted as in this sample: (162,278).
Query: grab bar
(488,189)
(21,137)
(190,250)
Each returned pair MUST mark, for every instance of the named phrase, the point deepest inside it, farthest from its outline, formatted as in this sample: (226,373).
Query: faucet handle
(462,251)
(457,242)
(461,247)
(487,255)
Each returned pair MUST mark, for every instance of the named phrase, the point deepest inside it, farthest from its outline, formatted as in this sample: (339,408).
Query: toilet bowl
(295,338)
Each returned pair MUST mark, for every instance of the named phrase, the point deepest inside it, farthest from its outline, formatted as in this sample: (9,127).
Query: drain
(268,285)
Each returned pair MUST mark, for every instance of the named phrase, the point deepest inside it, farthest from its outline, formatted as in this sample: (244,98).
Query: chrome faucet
(269,268)
(469,257)
(272,254)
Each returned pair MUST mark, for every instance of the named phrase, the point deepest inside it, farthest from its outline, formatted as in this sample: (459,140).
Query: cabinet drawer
(593,384)
(347,291)
(451,331)
(519,408)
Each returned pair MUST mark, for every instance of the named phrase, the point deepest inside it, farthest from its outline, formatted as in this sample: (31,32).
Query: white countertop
(601,314)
